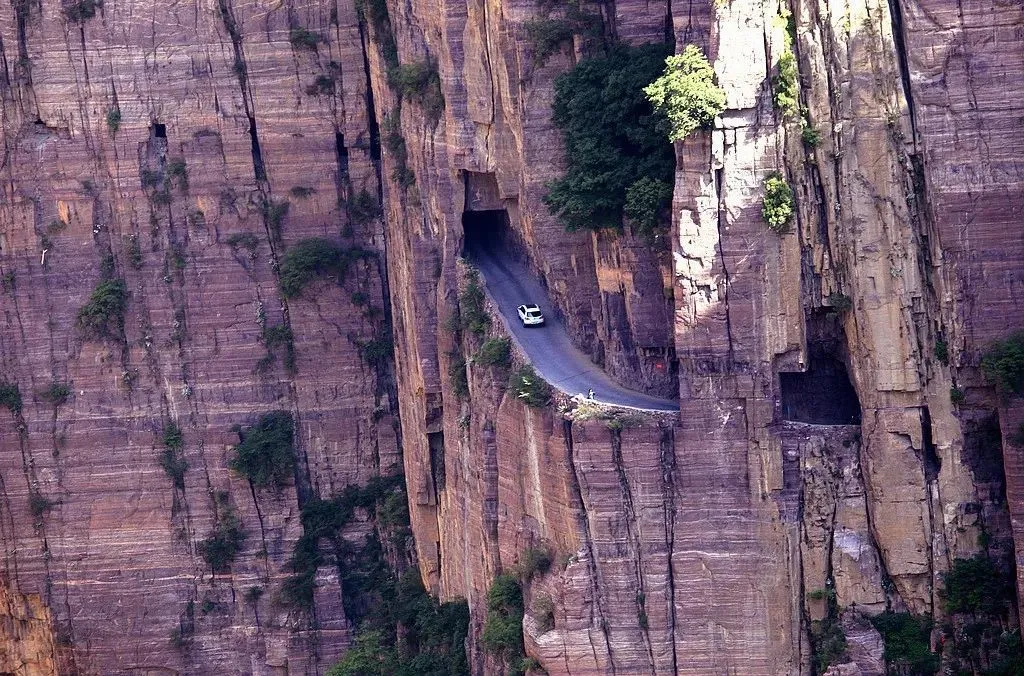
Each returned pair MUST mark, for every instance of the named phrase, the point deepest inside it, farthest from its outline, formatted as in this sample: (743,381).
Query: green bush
(177,171)
(472,314)
(80,11)
(170,459)
(828,642)
(535,560)
(810,136)
(364,207)
(457,376)
(113,120)
(103,315)
(266,453)
(906,639)
(10,397)
(647,204)
(778,205)
(411,80)
(686,94)
(546,35)
(941,351)
(1003,364)
(274,213)
(529,387)
(303,38)
(312,258)
(977,586)
(38,504)
(56,393)
(222,547)
(957,396)
(503,629)
(610,134)
(253,594)
(786,85)
(495,352)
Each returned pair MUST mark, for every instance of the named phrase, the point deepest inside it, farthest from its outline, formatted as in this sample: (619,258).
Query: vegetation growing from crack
(303,38)
(56,393)
(103,316)
(1003,364)
(420,83)
(315,257)
(828,643)
(402,630)
(785,85)
(778,204)
(395,145)
(274,337)
(364,207)
(80,11)
(495,352)
(10,397)
(323,85)
(503,629)
(265,454)
(547,34)
(221,549)
(113,120)
(171,461)
(612,142)
(687,93)
(527,386)
(473,316)
(906,640)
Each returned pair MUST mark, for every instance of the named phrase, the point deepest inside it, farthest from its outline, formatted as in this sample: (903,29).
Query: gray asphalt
(509,284)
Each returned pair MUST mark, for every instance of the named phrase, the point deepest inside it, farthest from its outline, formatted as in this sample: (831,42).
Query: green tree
(611,136)
(686,93)
(647,201)
(778,206)
(266,453)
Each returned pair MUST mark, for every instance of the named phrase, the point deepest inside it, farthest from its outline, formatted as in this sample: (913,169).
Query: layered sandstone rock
(115,557)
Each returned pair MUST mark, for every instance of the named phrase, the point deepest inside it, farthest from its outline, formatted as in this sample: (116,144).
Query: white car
(530,315)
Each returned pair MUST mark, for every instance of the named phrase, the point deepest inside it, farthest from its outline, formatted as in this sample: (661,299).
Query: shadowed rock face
(684,543)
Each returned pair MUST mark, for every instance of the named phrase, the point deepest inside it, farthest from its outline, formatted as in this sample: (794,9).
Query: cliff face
(748,505)
(101,568)
(816,455)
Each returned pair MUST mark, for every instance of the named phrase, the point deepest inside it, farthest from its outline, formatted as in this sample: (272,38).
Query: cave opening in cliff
(159,130)
(485,231)
(435,441)
(822,395)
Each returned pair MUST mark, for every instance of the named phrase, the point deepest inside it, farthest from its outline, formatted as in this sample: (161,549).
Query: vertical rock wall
(114,557)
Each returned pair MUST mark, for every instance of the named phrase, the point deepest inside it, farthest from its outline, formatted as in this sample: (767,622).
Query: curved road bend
(548,347)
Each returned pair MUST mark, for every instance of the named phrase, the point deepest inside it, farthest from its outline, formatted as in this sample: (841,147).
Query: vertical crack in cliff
(719,220)
(668,489)
(583,523)
(899,39)
(633,540)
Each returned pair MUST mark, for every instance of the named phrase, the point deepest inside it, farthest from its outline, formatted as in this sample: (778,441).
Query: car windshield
(534,312)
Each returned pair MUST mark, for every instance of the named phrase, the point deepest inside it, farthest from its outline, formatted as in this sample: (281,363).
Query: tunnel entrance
(821,396)
(485,231)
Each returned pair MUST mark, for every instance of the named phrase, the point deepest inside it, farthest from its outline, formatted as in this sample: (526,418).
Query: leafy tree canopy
(686,93)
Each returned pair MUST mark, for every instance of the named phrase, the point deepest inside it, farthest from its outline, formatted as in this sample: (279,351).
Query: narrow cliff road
(510,284)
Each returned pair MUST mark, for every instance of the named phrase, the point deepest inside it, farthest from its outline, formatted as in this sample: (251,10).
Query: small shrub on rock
(103,315)
(906,640)
(266,452)
(529,387)
(56,393)
(686,94)
(534,560)
(80,11)
(785,85)
(10,397)
(222,547)
(312,258)
(303,38)
(1003,364)
(113,120)
(503,629)
(495,352)
(778,206)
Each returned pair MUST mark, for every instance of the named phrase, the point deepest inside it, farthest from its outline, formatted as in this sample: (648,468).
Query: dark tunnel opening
(822,395)
(486,231)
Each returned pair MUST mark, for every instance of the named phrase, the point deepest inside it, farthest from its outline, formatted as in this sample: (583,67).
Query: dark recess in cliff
(821,396)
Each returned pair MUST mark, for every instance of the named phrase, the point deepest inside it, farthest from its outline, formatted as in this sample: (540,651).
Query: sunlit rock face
(184,149)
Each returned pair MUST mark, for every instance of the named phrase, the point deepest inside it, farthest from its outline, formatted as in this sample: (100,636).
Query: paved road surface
(510,285)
